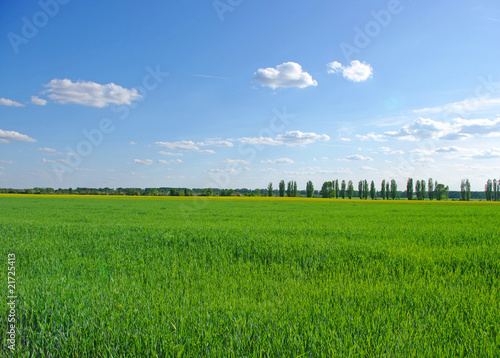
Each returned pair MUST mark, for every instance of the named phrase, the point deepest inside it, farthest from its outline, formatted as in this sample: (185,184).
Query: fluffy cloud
(6,161)
(180,145)
(89,93)
(372,136)
(207,151)
(169,153)
(424,128)
(9,102)
(161,161)
(233,171)
(358,157)
(290,138)
(139,161)
(232,162)
(369,169)
(465,106)
(8,136)
(216,143)
(50,150)
(356,72)
(278,161)
(38,101)
(288,74)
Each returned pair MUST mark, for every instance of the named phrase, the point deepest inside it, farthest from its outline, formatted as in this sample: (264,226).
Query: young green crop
(252,277)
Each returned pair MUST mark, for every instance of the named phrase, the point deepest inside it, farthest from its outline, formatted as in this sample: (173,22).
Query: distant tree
(289,189)
(497,198)
(418,187)
(495,190)
(365,190)
(154,192)
(467,190)
(343,189)
(387,191)
(209,192)
(360,189)
(441,192)
(463,190)
(373,191)
(257,192)
(173,192)
(281,190)
(382,189)
(270,189)
(423,190)
(350,189)
(325,189)
(394,189)
(295,191)
(431,189)
(409,189)
(309,189)
(488,189)
(337,191)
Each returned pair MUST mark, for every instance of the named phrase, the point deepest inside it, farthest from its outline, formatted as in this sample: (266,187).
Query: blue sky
(236,94)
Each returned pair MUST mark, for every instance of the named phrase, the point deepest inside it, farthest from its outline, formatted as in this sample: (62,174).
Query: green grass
(119,277)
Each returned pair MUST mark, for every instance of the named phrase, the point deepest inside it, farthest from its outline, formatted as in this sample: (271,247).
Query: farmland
(119,276)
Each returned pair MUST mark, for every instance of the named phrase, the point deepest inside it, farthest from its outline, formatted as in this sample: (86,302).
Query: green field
(129,277)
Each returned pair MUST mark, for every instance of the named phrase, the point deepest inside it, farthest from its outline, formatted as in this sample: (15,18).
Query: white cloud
(421,129)
(465,106)
(278,161)
(344,139)
(288,74)
(132,143)
(89,93)
(268,170)
(9,102)
(63,161)
(207,151)
(356,72)
(139,161)
(228,170)
(372,136)
(290,138)
(38,101)
(216,143)
(369,169)
(235,162)
(161,161)
(384,149)
(6,162)
(487,154)
(425,160)
(169,153)
(50,150)
(8,136)
(358,157)
(451,149)
(397,152)
(180,145)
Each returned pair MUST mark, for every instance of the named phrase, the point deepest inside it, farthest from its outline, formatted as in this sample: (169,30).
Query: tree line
(415,190)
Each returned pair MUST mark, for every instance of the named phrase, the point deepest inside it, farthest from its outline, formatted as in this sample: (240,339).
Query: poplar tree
(350,189)
(394,189)
(365,189)
(422,189)
(431,189)
(281,189)
(336,188)
(467,189)
(418,188)
(387,191)
(382,191)
(409,189)
(270,189)
(309,189)
(295,191)
(373,191)
(489,190)
(360,189)
(343,189)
